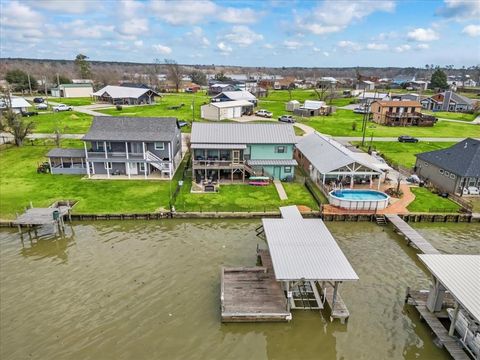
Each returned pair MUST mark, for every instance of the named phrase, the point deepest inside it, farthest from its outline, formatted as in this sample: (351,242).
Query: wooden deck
(40,216)
(252,295)
(450,343)
(411,235)
(340,311)
(418,298)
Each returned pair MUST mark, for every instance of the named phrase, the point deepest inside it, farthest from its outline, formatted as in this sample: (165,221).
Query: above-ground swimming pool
(359,199)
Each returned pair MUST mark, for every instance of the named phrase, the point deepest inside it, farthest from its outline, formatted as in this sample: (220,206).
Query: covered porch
(67,161)
(350,176)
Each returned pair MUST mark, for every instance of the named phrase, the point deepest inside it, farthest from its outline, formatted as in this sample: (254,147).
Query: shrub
(354,125)
(119,107)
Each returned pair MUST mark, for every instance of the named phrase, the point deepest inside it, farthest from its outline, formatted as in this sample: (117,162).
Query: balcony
(218,164)
(113,155)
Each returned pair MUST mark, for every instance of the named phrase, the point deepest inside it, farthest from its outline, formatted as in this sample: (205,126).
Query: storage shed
(226,110)
(292,105)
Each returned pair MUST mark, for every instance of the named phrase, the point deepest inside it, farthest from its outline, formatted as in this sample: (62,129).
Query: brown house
(400,113)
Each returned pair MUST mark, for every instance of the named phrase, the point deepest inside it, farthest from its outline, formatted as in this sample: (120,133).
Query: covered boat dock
(303,263)
(454,277)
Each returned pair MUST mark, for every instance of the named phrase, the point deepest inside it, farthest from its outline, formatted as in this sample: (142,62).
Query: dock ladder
(381,220)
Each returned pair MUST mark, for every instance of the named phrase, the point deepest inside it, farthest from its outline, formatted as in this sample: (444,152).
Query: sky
(271,33)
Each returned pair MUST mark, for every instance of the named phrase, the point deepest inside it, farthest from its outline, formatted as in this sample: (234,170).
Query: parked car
(182,124)
(264,113)
(62,107)
(406,138)
(360,110)
(287,119)
(472,190)
(41,106)
(38,100)
(29,113)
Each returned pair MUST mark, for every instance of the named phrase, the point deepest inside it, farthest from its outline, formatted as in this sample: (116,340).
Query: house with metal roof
(230,152)
(452,170)
(327,162)
(73,90)
(235,96)
(447,101)
(124,95)
(124,148)
(313,108)
(226,110)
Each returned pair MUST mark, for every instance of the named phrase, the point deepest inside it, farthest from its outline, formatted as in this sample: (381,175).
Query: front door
(235,156)
(133,168)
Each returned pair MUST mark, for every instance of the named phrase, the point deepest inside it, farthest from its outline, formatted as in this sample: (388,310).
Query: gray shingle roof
(462,158)
(236,133)
(273,162)
(57,152)
(113,128)
(327,155)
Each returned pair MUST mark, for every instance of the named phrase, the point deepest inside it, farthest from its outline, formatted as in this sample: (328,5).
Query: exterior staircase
(155,161)
(381,220)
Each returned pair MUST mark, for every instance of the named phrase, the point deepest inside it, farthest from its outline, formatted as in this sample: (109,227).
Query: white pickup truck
(62,107)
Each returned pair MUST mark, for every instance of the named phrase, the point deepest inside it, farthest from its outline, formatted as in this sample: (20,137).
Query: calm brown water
(150,290)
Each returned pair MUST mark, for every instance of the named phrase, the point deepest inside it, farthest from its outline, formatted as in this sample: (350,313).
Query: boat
(259,180)
(468,330)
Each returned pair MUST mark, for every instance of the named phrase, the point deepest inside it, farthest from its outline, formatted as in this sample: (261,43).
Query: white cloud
(333,16)
(326,53)
(73,7)
(349,45)
(162,49)
(385,36)
(224,48)
(403,48)
(422,46)
(460,9)
(138,43)
(238,16)
(197,36)
(268,46)
(292,44)
(422,34)
(17,15)
(134,26)
(472,30)
(377,47)
(242,35)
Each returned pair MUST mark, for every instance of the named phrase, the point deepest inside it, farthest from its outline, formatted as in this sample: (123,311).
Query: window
(142,167)
(159,146)
(280,149)
(107,165)
(288,169)
(102,148)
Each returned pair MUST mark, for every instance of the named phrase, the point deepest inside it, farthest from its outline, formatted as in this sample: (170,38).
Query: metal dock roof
(460,275)
(305,249)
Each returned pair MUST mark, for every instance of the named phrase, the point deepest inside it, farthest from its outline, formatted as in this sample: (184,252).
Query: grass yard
(20,184)
(426,201)
(340,124)
(78,101)
(71,122)
(451,115)
(403,154)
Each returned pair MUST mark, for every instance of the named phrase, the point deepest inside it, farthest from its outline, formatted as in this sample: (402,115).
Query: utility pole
(193,108)
(45,87)
(29,84)
(58,80)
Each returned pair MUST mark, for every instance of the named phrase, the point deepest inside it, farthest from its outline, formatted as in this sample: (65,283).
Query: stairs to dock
(380,220)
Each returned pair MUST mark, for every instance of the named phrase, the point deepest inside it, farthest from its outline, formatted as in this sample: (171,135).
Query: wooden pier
(419,299)
(34,218)
(338,310)
(412,236)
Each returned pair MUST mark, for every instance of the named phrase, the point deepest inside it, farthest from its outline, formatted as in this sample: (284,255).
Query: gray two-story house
(124,147)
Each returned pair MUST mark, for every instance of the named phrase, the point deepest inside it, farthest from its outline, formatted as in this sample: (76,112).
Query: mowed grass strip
(426,201)
(403,154)
(69,122)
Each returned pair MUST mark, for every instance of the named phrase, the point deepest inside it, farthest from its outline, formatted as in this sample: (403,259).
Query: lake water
(150,290)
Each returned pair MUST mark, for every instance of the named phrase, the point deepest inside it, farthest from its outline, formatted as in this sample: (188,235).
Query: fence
(186,175)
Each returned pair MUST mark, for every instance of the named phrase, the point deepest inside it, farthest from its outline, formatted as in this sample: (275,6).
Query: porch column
(145,170)
(351,181)
(127,169)
(371,181)
(454,320)
(126,149)
(88,169)
(71,162)
(86,159)
(143,148)
(50,164)
(171,164)
(378,185)
(61,161)
(323,180)
(105,149)
(81,160)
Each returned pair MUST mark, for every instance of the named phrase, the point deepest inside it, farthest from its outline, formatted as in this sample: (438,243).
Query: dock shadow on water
(150,290)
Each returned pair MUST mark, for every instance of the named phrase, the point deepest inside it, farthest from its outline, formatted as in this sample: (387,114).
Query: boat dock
(338,309)
(33,218)
(412,236)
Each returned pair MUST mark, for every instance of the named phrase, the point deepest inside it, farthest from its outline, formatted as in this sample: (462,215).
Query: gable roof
(327,155)
(313,104)
(118,128)
(19,102)
(237,95)
(398,103)
(462,158)
(120,92)
(228,104)
(239,133)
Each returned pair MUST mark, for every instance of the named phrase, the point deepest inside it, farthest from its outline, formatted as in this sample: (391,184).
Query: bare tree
(174,72)
(14,123)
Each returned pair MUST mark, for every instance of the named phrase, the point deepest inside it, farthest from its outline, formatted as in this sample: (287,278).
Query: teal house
(233,152)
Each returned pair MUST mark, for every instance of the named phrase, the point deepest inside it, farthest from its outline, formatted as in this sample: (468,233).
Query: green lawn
(71,122)
(79,101)
(340,124)
(20,184)
(403,154)
(426,201)
(451,115)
